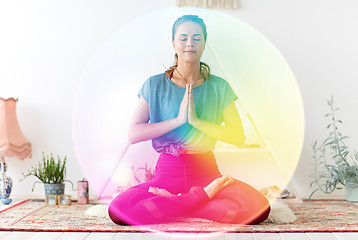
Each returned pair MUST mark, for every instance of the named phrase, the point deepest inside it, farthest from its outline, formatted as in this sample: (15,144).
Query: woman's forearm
(147,131)
(228,134)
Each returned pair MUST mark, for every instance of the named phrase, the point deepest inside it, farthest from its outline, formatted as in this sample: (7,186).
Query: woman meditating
(181,111)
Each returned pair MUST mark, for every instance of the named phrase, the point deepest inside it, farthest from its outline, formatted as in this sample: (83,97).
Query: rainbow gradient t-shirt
(164,99)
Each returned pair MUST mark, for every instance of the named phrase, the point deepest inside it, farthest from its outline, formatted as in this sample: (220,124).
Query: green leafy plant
(49,171)
(333,168)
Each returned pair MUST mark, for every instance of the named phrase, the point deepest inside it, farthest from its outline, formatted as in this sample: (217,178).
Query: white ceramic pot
(351,192)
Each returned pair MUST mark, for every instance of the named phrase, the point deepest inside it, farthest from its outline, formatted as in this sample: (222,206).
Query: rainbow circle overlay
(269,103)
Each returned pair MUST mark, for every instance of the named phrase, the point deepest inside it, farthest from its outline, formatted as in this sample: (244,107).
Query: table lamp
(12,144)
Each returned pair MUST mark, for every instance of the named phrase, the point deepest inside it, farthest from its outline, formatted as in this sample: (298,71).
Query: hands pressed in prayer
(192,116)
(187,111)
(182,117)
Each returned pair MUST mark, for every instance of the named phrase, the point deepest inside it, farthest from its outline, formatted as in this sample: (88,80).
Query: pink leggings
(188,174)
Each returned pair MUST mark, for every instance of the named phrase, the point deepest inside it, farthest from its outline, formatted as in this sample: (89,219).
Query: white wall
(45,46)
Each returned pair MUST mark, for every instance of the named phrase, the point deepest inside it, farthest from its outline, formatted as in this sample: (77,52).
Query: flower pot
(54,189)
(351,192)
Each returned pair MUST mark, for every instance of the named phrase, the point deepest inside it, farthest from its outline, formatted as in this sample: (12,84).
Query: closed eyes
(195,39)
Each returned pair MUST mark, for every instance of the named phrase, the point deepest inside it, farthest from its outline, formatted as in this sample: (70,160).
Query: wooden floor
(152,236)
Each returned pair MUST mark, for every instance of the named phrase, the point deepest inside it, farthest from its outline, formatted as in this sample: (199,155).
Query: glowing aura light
(107,96)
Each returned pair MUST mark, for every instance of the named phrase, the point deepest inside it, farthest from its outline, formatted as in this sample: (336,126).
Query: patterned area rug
(34,215)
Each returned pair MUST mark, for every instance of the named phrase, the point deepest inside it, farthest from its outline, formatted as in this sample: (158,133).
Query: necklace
(186,81)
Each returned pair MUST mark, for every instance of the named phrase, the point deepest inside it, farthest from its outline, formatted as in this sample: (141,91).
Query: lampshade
(12,141)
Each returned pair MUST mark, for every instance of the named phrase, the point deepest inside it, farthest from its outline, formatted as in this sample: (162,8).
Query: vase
(351,191)
(54,189)
(5,182)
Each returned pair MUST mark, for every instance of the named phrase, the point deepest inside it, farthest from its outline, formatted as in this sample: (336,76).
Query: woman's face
(189,42)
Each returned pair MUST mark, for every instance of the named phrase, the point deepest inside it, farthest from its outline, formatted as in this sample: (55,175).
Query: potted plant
(51,173)
(334,168)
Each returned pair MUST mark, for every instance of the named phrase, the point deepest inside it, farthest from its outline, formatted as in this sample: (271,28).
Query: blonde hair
(204,68)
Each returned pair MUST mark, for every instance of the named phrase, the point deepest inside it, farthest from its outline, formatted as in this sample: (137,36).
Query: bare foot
(217,185)
(159,191)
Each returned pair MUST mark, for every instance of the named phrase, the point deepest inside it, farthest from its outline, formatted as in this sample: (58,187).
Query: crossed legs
(223,200)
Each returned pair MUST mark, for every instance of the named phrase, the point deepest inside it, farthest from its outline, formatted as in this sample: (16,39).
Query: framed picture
(51,199)
(64,199)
